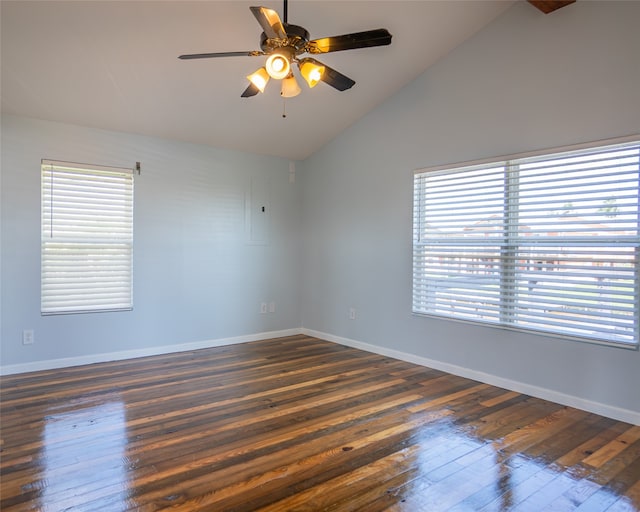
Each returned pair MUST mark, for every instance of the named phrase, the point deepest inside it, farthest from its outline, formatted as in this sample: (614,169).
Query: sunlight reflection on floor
(83,448)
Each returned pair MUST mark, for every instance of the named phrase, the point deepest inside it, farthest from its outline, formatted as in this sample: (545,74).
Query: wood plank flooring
(300,424)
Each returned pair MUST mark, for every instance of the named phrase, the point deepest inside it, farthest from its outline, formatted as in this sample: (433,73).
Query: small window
(547,243)
(87,238)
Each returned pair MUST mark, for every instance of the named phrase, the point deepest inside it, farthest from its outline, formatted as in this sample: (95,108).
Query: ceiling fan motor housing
(297,39)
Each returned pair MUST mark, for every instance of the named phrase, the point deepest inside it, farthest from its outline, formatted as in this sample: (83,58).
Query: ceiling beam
(547,6)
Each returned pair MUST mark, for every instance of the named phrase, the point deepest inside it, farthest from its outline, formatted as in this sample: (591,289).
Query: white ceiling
(114,65)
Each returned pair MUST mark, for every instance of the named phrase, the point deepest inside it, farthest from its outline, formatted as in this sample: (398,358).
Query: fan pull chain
(284,108)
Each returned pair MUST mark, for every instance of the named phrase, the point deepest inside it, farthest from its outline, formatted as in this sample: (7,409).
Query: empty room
(320,255)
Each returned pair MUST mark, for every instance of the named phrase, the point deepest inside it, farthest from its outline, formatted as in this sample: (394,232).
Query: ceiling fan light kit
(283,44)
(279,64)
(290,87)
(311,72)
(259,78)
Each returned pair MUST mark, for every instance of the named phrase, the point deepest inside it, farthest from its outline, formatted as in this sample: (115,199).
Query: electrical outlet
(352,313)
(272,307)
(263,308)
(28,337)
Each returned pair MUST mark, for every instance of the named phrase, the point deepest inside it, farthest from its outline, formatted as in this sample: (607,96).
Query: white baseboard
(67,362)
(616,413)
(609,411)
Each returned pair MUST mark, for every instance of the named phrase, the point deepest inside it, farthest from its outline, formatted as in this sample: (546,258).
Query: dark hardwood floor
(300,424)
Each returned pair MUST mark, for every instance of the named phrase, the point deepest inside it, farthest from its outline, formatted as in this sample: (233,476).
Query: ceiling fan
(284,44)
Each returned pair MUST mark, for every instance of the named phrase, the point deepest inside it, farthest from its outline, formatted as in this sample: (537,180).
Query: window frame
(86,243)
(506,280)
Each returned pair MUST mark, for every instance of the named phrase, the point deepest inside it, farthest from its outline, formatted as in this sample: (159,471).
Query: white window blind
(547,243)
(87,238)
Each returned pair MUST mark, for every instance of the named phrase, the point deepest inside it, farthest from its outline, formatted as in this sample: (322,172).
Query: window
(87,238)
(547,243)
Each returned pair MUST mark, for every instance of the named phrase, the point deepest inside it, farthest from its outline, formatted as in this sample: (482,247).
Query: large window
(547,243)
(87,238)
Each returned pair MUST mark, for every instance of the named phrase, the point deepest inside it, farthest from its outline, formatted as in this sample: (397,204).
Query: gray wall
(526,82)
(200,273)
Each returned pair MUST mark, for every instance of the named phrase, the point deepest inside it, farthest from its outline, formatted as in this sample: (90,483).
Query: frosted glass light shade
(259,79)
(311,72)
(290,87)
(278,66)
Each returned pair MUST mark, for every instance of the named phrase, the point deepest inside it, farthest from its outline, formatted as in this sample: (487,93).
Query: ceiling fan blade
(219,54)
(252,90)
(334,78)
(270,22)
(378,37)
(547,6)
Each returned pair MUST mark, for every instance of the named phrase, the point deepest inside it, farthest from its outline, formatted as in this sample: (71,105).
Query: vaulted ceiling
(114,65)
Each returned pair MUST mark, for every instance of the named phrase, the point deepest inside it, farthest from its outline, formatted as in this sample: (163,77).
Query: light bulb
(311,71)
(278,66)
(259,79)
(290,87)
